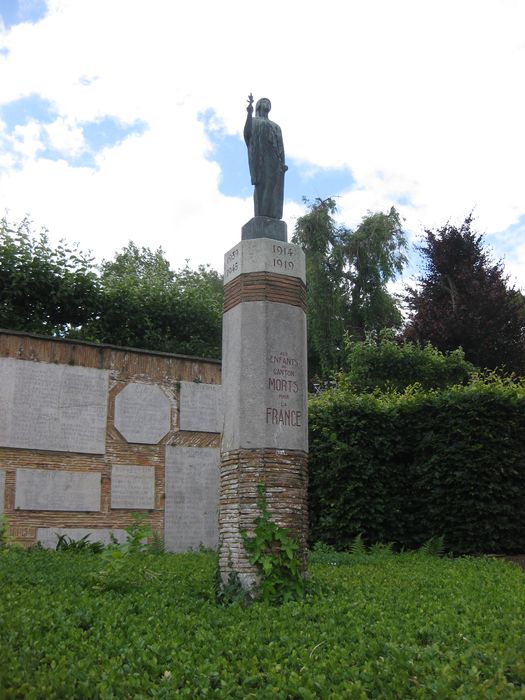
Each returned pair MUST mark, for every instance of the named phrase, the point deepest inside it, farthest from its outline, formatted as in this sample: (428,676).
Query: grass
(372,626)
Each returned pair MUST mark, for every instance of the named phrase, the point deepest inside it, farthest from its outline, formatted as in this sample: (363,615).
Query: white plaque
(201,407)
(192,497)
(45,406)
(2,490)
(50,489)
(133,487)
(48,536)
(264,255)
(264,375)
(142,413)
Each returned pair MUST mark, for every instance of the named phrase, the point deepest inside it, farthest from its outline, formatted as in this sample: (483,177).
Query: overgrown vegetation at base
(406,467)
(404,626)
(276,555)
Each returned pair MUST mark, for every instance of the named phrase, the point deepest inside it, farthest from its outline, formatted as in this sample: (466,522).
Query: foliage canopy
(43,289)
(463,300)
(380,362)
(347,273)
(134,300)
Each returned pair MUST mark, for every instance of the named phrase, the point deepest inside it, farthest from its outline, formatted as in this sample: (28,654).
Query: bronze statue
(266,158)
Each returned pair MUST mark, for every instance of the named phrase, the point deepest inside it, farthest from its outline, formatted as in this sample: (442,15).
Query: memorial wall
(90,434)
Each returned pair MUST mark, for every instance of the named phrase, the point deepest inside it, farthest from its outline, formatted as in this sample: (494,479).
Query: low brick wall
(124,367)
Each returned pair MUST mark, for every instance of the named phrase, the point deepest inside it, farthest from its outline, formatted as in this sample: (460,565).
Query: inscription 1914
(261,254)
(282,255)
(284,386)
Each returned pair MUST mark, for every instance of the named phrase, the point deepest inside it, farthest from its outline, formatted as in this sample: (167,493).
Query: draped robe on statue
(266,159)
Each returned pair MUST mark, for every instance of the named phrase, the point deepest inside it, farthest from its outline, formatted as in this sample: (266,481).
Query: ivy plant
(276,555)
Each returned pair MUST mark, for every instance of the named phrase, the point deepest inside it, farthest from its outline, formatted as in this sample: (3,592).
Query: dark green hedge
(407,467)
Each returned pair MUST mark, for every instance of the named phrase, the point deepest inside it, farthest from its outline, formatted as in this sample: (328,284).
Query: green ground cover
(376,626)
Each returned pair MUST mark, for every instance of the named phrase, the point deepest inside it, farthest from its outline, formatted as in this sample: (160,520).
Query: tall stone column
(264,379)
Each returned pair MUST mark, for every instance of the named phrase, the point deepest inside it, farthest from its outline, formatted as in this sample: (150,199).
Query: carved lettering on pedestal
(283,391)
(283,257)
(232,261)
(264,255)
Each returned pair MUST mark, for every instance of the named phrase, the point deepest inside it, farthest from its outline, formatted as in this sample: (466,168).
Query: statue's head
(262,107)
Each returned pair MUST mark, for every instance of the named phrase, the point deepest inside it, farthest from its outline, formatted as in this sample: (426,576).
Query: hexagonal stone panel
(142,413)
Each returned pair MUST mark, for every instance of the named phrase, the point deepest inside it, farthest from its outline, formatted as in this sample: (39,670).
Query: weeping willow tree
(347,276)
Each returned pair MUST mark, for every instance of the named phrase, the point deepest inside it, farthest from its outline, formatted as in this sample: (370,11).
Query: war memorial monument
(264,370)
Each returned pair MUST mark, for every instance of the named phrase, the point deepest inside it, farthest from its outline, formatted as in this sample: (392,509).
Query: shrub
(386,364)
(408,467)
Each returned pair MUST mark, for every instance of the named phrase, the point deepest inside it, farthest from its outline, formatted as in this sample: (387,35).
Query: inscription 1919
(281,257)
(261,254)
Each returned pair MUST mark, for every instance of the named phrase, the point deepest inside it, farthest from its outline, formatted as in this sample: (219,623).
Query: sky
(121,120)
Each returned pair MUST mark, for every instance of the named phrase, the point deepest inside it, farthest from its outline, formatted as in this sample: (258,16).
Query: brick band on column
(285,476)
(265,286)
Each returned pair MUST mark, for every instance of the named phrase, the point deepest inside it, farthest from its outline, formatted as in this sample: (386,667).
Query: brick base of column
(284,474)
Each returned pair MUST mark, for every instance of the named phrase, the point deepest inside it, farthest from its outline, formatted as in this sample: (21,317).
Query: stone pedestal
(264,379)
(264,227)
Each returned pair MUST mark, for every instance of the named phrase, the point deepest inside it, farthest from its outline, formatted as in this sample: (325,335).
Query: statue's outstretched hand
(249,108)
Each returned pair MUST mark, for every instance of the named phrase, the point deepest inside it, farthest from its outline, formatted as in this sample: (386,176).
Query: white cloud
(421,100)
(65,136)
(27,140)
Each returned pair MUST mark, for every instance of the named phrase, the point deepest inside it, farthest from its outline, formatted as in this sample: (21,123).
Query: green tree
(347,276)
(327,301)
(375,256)
(134,300)
(463,299)
(54,291)
(145,304)
(385,364)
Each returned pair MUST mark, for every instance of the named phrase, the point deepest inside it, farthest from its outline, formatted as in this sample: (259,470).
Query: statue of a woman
(266,158)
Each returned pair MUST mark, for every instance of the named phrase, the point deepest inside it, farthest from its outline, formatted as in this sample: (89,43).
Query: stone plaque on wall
(46,489)
(52,407)
(192,496)
(201,407)
(48,536)
(2,490)
(132,487)
(142,413)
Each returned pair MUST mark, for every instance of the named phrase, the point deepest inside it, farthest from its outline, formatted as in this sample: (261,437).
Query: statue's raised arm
(266,159)
(248,125)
